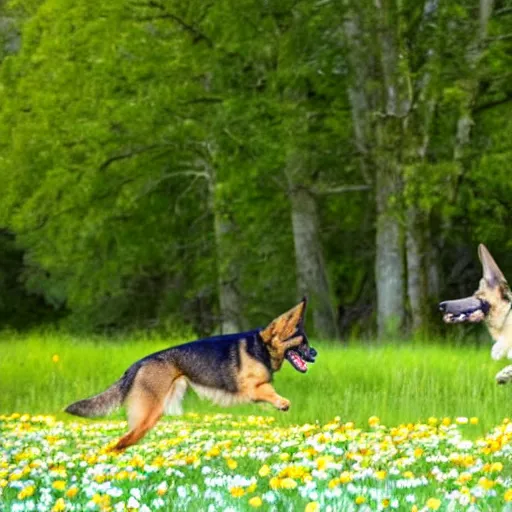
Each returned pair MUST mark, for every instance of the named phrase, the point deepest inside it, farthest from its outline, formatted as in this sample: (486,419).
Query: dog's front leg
(504,375)
(266,393)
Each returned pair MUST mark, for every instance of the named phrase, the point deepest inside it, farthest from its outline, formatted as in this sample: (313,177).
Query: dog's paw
(504,375)
(499,350)
(283,404)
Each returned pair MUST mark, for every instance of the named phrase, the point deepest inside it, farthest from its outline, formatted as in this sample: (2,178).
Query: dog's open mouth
(470,309)
(298,358)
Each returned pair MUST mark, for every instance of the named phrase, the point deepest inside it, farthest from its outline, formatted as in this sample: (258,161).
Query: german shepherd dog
(491,303)
(229,369)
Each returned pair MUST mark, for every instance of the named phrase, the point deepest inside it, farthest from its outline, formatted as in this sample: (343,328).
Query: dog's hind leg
(175,397)
(146,401)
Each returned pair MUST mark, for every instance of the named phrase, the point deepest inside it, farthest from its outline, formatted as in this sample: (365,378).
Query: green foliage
(127,128)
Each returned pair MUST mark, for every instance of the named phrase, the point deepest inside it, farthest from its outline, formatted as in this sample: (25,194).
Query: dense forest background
(204,163)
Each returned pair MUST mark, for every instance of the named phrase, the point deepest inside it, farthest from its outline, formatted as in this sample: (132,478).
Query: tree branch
(492,104)
(323,190)
(127,154)
(198,35)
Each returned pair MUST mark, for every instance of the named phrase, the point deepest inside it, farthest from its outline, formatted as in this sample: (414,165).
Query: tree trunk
(312,279)
(230,301)
(417,280)
(389,261)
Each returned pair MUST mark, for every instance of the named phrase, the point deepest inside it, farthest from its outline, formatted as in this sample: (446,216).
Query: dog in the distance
(229,369)
(492,304)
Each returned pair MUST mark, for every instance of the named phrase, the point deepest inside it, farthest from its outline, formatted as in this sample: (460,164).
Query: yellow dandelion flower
(55,358)
(345,477)
(323,462)
(508,495)
(486,483)
(284,456)
(232,463)
(60,505)
(274,483)
(26,492)
(59,485)
(433,503)
(408,474)
(464,477)
(496,466)
(288,483)
(380,475)
(373,421)
(418,452)
(360,500)
(236,492)
(255,502)
(72,492)
(432,421)
(251,488)
(446,421)
(214,452)
(333,483)
(473,420)
(264,470)
(385,502)
(312,506)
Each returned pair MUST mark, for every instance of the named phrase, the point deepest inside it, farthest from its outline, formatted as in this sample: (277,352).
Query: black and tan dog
(230,369)
(491,303)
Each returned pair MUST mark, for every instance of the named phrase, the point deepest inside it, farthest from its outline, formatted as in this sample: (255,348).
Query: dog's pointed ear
(492,273)
(285,325)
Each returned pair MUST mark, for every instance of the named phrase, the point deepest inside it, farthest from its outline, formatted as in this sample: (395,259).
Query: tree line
(170,162)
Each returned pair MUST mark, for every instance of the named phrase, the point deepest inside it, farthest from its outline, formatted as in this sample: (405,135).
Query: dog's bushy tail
(108,401)
(98,405)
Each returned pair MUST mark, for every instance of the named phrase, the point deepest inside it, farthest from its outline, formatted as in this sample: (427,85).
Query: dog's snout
(312,351)
(442,306)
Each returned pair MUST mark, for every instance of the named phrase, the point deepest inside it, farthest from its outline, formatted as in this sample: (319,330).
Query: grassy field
(404,382)
(405,426)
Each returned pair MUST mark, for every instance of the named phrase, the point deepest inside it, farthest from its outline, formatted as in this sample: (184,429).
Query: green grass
(400,383)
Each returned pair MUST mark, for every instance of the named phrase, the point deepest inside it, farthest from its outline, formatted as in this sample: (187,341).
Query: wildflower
(380,475)
(72,492)
(345,477)
(232,464)
(508,495)
(486,483)
(237,492)
(60,505)
(255,502)
(288,483)
(312,506)
(473,420)
(133,503)
(55,358)
(373,421)
(162,488)
(26,492)
(360,500)
(433,503)
(264,470)
(59,485)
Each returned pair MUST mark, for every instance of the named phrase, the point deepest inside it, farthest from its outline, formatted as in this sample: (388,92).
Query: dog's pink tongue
(299,361)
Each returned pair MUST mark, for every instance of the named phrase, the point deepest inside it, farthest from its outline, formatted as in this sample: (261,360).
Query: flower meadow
(226,463)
